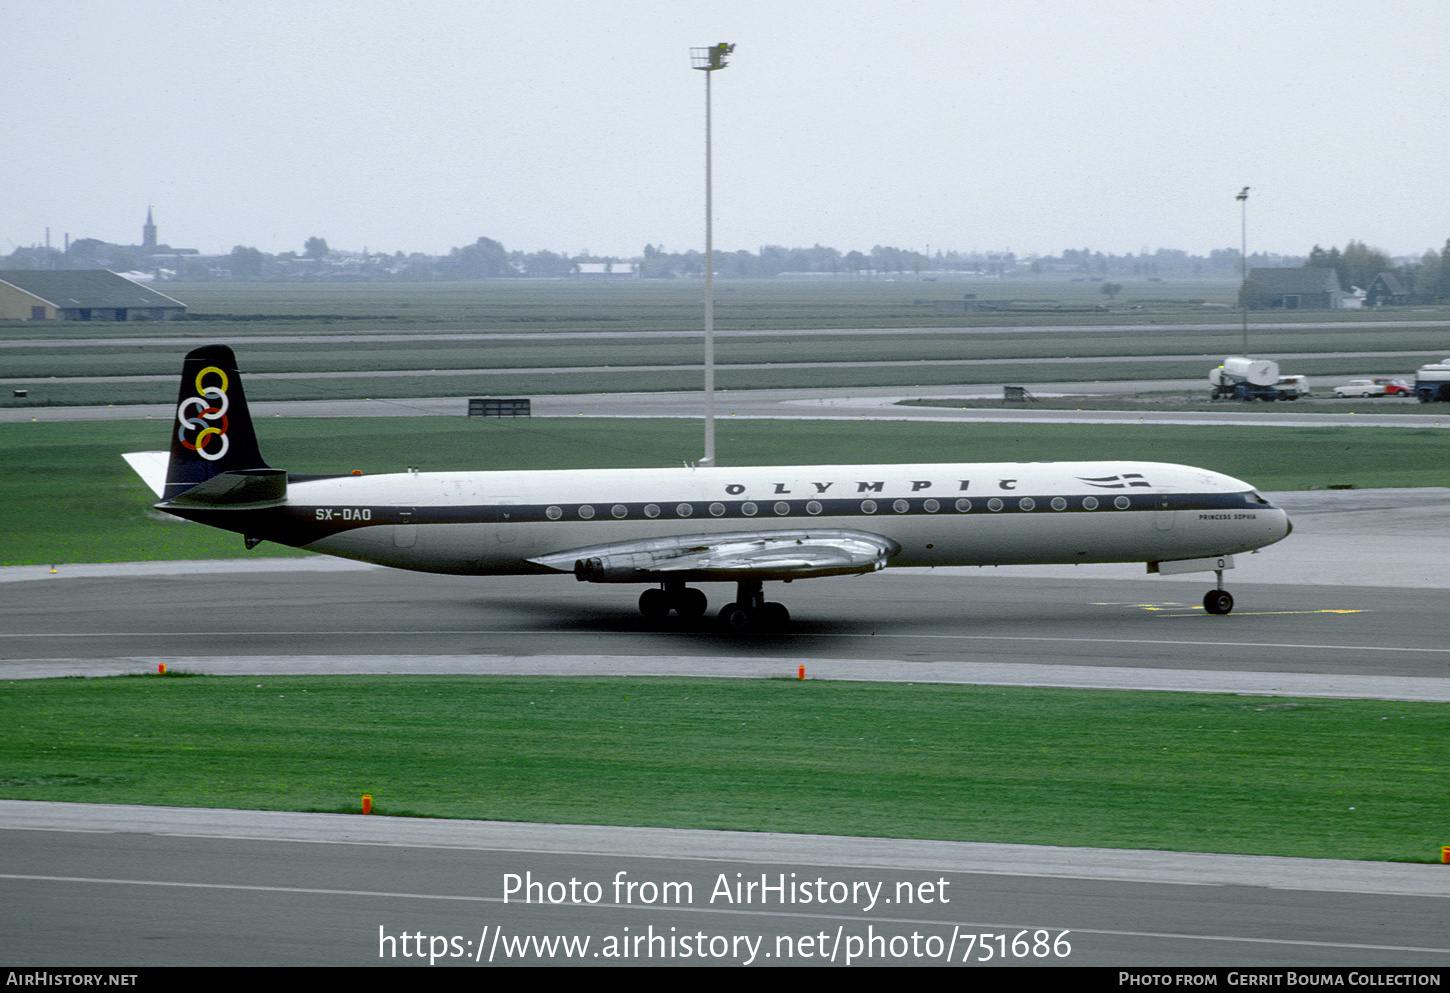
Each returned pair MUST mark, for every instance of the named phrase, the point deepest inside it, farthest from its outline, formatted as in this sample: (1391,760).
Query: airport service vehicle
(1361,388)
(1293,387)
(1432,382)
(669,528)
(1254,379)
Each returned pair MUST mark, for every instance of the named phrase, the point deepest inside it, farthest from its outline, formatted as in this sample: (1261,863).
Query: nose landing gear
(1220,600)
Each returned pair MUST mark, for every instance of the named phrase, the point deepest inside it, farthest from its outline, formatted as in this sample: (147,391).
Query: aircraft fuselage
(939,514)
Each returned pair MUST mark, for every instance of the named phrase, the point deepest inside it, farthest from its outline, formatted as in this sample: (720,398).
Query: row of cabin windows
(813,507)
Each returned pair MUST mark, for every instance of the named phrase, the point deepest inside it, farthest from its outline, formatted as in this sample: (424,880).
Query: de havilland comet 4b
(670,528)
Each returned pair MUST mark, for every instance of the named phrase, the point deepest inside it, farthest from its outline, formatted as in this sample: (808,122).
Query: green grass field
(67,495)
(1216,773)
(508,304)
(768,303)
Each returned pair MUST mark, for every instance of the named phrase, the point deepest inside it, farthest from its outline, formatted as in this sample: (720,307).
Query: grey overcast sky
(1031,126)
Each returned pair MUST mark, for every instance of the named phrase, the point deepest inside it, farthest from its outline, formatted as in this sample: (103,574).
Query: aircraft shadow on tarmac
(569,618)
(1000,612)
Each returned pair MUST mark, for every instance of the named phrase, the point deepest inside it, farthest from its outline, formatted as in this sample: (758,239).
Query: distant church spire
(148,233)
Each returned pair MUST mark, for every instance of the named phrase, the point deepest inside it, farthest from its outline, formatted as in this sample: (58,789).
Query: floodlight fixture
(712,57)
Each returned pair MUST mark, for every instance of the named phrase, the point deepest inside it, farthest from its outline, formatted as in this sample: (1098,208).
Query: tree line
(1427,278)
(1358,265)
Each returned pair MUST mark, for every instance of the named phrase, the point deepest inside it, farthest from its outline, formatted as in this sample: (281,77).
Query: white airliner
(672,527)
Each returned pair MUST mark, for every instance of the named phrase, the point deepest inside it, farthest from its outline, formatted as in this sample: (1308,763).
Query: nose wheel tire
(1218,601)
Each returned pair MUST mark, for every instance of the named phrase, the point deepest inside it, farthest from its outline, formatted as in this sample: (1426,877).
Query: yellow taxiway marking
(1241,613)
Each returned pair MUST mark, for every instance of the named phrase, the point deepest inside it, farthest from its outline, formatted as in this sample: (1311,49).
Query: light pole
(708,60)
(1243,199)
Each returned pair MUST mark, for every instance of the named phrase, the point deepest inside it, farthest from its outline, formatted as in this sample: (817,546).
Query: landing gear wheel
(654,604)
(734,617)
(773,617)
(691,603)
(1218,601)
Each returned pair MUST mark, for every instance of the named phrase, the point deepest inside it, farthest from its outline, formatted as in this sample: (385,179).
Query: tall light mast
(708,60)
(1243,199)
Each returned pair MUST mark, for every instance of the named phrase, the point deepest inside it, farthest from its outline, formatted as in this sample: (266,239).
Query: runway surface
(1352,604)
(1358,590)
(1411,359)
(960,626)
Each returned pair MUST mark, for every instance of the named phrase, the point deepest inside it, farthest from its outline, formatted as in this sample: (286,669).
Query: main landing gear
(686,601)
(749,612)
(1220,600)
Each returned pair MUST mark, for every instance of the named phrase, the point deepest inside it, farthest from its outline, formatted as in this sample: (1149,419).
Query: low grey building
(1304,288)
(81,295)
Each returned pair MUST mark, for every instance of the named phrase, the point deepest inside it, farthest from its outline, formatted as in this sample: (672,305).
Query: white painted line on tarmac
(179,567)
(1424,689)
(1180,868)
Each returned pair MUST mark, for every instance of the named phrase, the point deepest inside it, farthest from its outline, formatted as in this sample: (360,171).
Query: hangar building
(1306,288)
(81,295)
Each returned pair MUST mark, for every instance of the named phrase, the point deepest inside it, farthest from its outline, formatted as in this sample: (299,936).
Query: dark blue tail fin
(213,431)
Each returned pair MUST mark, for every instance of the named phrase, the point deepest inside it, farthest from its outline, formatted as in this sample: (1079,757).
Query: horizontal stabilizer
(151,467)
(727,557)
(244,487)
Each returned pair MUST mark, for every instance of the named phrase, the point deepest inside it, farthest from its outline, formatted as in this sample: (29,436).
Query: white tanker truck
(1254,379)
(1432,382)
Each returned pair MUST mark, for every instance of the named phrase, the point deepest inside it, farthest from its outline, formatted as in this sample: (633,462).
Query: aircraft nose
(1283,519)
(1286,526)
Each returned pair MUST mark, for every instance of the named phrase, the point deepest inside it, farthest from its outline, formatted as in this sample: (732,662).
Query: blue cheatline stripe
(862,508)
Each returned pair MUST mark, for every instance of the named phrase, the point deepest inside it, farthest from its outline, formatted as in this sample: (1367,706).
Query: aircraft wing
(763,555)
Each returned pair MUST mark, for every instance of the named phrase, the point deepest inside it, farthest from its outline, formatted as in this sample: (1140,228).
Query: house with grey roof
(1304,288)
(1386,290)
(81,295)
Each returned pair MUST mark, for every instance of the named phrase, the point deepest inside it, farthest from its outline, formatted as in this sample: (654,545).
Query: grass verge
(1191,772)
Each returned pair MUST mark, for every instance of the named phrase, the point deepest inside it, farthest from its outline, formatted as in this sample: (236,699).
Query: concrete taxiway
(1351,604)
(112,886)
(857,403)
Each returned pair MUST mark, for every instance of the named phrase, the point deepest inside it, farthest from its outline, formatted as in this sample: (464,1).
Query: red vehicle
(1395,387)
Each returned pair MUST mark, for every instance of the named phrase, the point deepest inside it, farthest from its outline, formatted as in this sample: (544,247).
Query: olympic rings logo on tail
(211,409)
